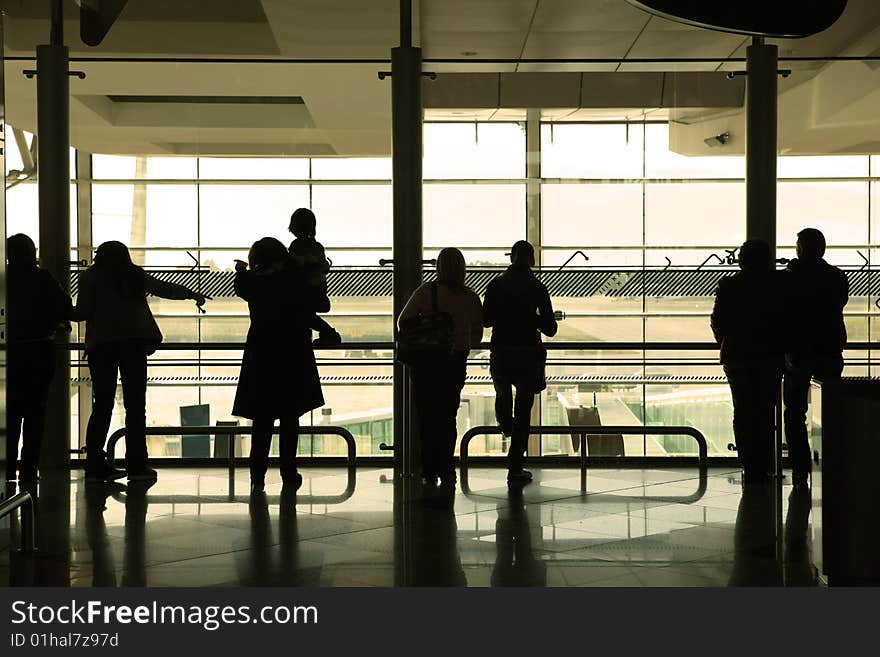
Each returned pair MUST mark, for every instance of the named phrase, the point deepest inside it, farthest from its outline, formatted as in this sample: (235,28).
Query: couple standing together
(517,308)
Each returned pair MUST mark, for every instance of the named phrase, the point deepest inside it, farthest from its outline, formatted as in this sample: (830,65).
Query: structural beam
(53,161)
(761,141)
(406,135)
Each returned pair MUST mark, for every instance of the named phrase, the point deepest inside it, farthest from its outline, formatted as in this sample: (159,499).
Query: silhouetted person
(816,294)
(517,307)
(309,254)
(746,321)
(516,563)
(37,307)
(120,333)
(279,377)
(437,385)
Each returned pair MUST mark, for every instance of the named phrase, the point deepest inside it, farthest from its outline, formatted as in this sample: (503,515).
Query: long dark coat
(279,377)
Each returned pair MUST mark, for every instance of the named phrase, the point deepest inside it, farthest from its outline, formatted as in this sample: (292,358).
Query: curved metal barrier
(25,502)
(231,432)
(590,430)
(584,430)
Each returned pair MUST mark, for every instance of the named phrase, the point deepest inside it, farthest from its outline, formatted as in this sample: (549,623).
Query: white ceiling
(346,108)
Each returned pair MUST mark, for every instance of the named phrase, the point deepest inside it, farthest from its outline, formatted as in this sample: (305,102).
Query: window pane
(824,166)
(591,151)
(661,162)
(239,215)
(113,167)
(353,215)
(351,168)
(485,150)
(598,215)
(167,215)
(253,168)
(474,215)
(171,168)
(690,214)
(838,209)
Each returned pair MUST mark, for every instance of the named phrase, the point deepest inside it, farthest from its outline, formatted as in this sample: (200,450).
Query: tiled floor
(632,527)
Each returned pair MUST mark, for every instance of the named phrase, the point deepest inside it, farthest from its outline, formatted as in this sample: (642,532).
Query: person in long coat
(279,377)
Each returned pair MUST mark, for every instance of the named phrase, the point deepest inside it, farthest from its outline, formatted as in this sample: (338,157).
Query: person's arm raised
(167,290)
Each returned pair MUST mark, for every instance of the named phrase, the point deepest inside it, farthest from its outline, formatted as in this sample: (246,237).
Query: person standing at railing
(747,323)
(279,377)
(439,379)
(518,309)
(120,333)
(37,308)
(816,294)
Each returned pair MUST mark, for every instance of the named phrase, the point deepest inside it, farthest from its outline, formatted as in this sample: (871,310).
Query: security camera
(717,140)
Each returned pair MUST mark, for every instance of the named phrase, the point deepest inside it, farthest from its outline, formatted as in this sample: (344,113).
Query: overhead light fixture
(717,140)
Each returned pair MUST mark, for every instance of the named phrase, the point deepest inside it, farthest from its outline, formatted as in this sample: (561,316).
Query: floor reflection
(516,563)
(632,527)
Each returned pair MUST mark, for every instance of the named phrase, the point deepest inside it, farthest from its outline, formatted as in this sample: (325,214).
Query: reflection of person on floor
(518,309)
(435,558)
(135,555)
(799,569)
(258,565)
(755,562)
(516,564)
(94,502)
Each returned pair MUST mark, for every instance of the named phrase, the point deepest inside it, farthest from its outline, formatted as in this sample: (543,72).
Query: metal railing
(231,432)
(584,430)
(25,502)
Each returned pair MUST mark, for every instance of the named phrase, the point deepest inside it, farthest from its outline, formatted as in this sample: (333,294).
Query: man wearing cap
(518,309)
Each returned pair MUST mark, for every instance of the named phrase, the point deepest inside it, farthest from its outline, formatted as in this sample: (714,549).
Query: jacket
(112,316)
(747,317)
(815,295)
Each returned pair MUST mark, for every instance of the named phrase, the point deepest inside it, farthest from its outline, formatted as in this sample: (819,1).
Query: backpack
(426,338)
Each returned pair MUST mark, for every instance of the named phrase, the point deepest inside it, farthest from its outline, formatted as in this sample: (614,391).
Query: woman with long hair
(37,308)
(279,377)
(120,333)
(438,385)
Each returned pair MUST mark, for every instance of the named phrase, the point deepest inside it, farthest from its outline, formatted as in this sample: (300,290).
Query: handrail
(584,430)
(351,481)
(484,346)
(25,501)
(231,431)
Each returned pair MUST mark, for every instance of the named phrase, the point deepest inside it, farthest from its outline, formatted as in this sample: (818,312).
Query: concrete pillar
(406,134)
(84,251)
(53,132)
(761,141)
(533,230)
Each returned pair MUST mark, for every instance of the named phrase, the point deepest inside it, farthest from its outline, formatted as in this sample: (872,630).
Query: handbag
(426,338)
